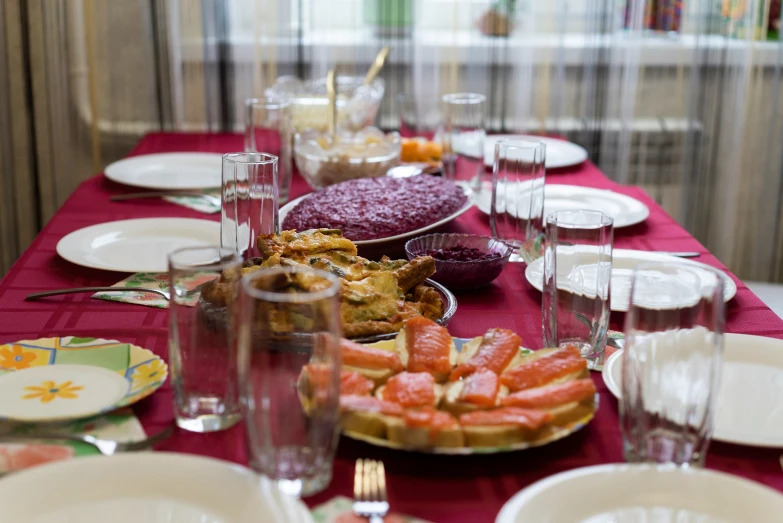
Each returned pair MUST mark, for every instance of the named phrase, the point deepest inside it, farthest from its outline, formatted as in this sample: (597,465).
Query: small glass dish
(456,274)
(369,153)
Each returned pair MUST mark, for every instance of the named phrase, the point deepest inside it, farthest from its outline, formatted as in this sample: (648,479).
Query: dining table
(437,488)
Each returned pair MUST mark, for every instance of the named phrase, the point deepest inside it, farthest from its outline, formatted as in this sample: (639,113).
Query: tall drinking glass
(268,129)
(516,197)
(202,338)
(289,368)
(463,137)
(249,201)
(577,272)
(671,363)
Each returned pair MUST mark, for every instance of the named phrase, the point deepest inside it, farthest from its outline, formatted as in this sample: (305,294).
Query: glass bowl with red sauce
(462,261)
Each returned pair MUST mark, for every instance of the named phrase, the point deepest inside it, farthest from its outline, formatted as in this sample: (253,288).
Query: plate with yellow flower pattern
(57,379)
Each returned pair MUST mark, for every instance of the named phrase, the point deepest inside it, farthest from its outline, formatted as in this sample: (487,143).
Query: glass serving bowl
(369,153)
(462,274)
(357,104)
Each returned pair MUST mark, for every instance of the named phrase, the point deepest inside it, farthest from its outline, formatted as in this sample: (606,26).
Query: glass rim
(463,98)
(519,143)
(232,259)
(287,297)
(604,219)
(269,102)
(243,158)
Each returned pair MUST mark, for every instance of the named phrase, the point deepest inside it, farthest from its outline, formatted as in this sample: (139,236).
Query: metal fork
(105,446)
(369,490)
(77,290)
(214,200)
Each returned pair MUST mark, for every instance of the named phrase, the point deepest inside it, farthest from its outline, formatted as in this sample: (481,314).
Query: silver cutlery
(214,200)
(369,490)
(105,446)
(77,290)
(683,254)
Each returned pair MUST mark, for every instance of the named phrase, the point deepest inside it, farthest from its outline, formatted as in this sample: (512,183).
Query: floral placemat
(340,510)
(151,280)
(120,425)
(197,203)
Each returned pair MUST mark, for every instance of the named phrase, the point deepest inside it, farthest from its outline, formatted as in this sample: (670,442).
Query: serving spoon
(377,65)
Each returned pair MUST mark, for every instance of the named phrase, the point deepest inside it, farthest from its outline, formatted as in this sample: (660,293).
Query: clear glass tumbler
(249,201)
(577,273)
(202,338)
(289,369)
(463,137)
(268,129)
(671,363)
(516,197)
(418,117)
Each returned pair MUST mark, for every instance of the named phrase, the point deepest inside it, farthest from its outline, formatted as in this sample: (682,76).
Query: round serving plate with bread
(488,395)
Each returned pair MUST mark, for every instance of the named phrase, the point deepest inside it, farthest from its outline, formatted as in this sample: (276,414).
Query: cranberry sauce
(459,253)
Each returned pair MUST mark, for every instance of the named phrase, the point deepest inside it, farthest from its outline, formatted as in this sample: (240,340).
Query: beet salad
(373,208)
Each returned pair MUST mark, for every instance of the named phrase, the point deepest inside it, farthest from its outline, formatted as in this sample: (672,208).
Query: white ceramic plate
(145,487)
(285,209)
(623,263)
(559,153)
(168,171)
(624,493)
(625,210)
(750,395)
(140,245)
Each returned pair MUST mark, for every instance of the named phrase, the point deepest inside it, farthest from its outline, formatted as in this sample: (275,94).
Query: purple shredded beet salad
(373,208)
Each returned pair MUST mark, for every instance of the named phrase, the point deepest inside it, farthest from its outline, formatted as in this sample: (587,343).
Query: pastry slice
(503,426)
(494,351)
(425,428)
(425,346)
(568,401)
(411,390)
(544,367)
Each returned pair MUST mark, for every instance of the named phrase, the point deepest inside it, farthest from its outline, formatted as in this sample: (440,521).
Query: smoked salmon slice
(357,355)
(411,389)
(370,404)
(428,345)
(431,418)
(551,395)
(540,371)
(527,418)
(498,347)
(480,388)
(351,382)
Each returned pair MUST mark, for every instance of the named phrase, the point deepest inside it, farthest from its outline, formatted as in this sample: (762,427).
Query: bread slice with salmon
(545,367)
(412,390)
(425,428)
(479,390)
(367,414)
(425,346)
(497,350)
(567,402)
(374,363)
(503,426)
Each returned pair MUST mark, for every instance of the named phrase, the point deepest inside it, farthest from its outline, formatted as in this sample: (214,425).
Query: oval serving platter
(557,434)
(64,378)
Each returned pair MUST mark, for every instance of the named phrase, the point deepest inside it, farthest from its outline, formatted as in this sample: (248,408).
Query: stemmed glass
(289,374)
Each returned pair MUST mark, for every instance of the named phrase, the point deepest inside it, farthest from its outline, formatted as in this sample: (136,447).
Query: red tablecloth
(454,489)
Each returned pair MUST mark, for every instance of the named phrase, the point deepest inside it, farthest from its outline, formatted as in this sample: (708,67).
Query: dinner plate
(168,171)
(559,153)
(623,263)
(557,434)
(149,487)
(619,493)
(625,211)
(140,245)
(57,379)
(751,392)
(285,209)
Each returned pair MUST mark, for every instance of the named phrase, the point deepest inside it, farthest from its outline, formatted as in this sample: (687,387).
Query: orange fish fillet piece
(552,395)
(357,355)
(411,389)
(480,388)
(527,418)
(351,382)
(498,347)
(545,369)
(370,404)
(430,417)
(428,345)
